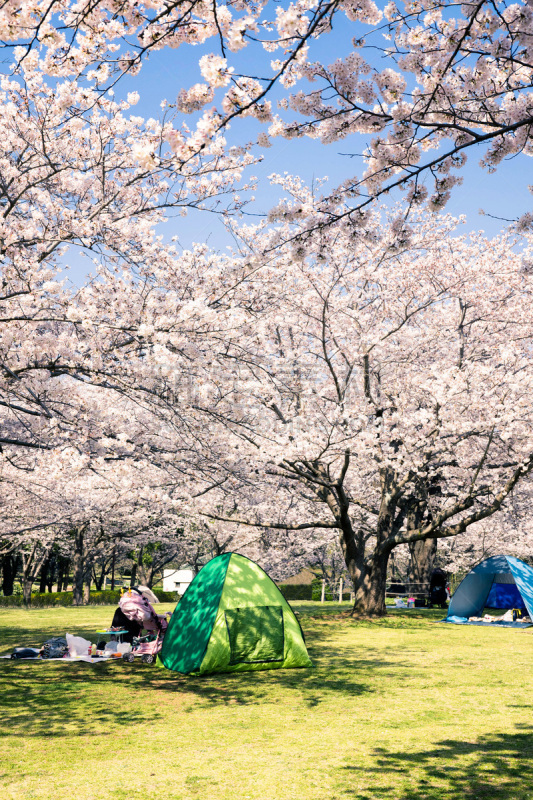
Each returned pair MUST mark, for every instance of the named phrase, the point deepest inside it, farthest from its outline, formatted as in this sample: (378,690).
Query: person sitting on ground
(137,617)
(121,622)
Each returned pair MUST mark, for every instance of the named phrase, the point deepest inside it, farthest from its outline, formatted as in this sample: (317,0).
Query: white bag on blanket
(77,646)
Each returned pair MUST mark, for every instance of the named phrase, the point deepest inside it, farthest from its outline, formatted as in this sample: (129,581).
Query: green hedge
(107,597)
(296,591)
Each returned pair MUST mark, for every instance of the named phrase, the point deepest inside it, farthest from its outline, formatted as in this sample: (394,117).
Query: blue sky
(502,194)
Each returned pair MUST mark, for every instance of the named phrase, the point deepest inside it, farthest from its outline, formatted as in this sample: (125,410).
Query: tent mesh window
(504,577)
(255,634)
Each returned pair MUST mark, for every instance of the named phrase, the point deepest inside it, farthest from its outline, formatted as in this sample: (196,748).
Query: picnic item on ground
(115,634)
(137,612)
(114,648)
(71,648)
(133,614)
(56,647)
(25,652)
(77,646)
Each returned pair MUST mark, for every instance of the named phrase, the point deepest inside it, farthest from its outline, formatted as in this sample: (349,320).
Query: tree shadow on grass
(314,686)
(79,699)
(18,636)
(69,699)
(395,617)
(34,635)
(496,765)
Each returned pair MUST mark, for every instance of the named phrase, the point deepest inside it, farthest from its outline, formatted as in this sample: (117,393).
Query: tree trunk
(87,574)
(422,557)
(9,573)
(43,578)
(369,578)
(78,566)
(62,574)
(99,579)
(368,575)
(32,562)
(52,566)
(137,562)
(113,568)
(146,574)
(27,585)
(149,576)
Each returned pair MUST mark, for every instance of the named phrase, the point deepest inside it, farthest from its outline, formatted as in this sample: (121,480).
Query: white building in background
(177,580)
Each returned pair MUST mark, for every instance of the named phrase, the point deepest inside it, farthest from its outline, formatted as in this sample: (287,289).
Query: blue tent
(498,582)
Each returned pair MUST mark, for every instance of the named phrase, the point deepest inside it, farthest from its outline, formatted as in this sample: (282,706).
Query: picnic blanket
(66,659)
(497,623)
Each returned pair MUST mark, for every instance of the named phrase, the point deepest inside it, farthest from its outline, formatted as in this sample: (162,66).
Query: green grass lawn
(399,709)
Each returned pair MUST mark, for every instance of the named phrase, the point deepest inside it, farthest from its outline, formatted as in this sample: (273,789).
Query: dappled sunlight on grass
(495,765)
(400,708)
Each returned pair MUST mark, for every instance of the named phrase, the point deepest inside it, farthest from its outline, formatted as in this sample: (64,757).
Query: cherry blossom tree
(79,171)
(508,532)
(450,80)
(377,372)
(423,83)
(101,501)
(382,375)
(86,499)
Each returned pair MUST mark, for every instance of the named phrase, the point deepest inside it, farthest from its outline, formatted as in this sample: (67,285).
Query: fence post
(340,591)
(323,594)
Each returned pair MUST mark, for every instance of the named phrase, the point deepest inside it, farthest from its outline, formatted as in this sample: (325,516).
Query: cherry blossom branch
(274,525)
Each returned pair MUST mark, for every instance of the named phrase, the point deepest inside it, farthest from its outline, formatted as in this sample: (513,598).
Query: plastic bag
(111,647)
(77,646)
(124,647)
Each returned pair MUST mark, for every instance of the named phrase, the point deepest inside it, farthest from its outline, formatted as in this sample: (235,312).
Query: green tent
(233,618)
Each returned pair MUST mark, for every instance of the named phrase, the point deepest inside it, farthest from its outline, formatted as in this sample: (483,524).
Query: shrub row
(296,591)
(106,597)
